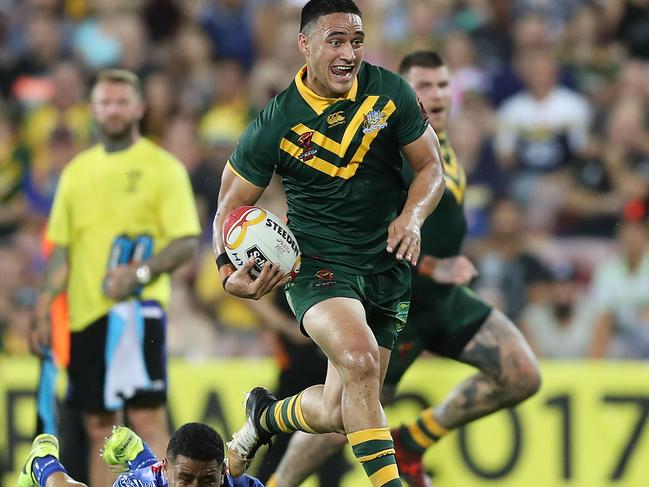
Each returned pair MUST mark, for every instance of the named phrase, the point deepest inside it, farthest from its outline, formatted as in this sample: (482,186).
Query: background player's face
(117,108)
(433,89)
(333,50)
(186,472)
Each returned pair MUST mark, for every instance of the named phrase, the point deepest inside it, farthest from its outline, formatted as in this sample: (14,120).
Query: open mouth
(436,110)
(342,73)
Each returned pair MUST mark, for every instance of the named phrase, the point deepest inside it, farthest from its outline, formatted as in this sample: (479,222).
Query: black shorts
(103,378)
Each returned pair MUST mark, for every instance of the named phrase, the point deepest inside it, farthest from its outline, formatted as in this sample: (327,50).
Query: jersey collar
(317,102)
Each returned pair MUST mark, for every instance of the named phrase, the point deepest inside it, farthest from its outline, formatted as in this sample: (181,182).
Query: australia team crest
(374,120)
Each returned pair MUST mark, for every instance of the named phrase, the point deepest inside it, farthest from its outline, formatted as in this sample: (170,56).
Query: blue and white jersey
(153,476)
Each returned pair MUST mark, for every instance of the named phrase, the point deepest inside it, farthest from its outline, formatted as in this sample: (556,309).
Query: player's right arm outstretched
(235,192)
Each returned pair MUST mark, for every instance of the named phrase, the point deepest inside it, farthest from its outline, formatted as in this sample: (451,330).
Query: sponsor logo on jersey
(324,278)
(260,258)
(336,118)
(374,120)
(305,143)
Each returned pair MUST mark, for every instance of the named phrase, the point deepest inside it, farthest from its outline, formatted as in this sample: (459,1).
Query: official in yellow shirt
(123,218)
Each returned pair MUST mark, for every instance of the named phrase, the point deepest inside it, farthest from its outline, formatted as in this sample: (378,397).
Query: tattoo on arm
(174,254)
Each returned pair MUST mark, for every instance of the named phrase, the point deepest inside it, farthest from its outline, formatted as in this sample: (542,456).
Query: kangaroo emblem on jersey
(374,120)
(305,143)
(336,118)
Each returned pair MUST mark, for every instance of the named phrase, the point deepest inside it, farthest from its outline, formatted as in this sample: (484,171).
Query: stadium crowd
(551,117)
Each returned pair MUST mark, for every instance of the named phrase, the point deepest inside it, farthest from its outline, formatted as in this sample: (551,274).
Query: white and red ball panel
(252,232)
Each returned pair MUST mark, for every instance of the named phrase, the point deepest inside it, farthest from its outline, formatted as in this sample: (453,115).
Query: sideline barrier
(585,428)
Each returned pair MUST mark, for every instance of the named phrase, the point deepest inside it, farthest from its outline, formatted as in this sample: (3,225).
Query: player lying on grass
(195,457)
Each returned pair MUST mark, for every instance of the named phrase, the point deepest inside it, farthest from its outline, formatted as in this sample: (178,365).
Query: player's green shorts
(385,295)
(443,325)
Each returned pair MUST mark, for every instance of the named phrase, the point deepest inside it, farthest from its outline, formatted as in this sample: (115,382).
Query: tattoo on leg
(504,362)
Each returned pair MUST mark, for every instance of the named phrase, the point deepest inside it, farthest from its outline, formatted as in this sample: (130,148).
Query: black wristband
(222,259)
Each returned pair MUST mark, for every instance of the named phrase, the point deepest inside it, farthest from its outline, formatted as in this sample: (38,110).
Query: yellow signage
(585,428)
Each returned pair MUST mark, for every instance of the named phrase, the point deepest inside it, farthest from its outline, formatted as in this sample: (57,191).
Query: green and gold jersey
(339,161)
(105,199)
(443,231)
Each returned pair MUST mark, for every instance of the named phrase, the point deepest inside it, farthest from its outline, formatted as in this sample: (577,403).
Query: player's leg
(304,455)
(508,374)
(151,425)
(99,426)
(348,401)
(42,467)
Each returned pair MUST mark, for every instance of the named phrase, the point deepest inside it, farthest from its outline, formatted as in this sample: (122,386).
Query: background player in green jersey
(335,136)
(445,318)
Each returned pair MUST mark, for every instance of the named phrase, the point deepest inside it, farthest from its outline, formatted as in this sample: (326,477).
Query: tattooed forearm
(55,276)
(174,254)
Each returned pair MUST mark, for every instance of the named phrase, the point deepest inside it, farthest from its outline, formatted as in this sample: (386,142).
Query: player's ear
(165,466)
(303,43)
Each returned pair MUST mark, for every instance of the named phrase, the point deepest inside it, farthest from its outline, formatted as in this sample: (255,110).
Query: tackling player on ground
(335,136)
(445,318)
(194,457)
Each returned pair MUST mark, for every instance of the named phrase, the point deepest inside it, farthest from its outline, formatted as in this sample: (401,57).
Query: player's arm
(457,270)
(53,283)
(425,191)
(235,192)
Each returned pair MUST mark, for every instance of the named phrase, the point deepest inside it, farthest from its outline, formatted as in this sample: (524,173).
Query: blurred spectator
(466,75)
(25,77)
(485,180)
(193,69)
(95,40)
(14,166)
(562,327)
(65,108)
(541,131)
(231,111)
(616,172)
(593,62)
(160,98)
(230,24)
(510,275)
(620,292)
(629,19)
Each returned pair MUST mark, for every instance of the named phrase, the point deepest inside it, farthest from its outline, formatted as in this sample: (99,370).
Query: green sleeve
(255,156)
(411,120)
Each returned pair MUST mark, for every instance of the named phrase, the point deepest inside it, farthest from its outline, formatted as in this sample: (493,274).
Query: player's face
(433,89)
(333,51)
(116,108)
(186,472)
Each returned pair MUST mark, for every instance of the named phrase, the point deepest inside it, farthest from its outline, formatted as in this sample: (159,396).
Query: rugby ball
(252,232)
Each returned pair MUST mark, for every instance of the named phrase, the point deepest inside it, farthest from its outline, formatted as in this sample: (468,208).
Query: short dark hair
(197,441)
(314,9)
(422,59)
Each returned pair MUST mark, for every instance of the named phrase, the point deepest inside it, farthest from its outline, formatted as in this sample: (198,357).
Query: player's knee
(526,381)
(362,364)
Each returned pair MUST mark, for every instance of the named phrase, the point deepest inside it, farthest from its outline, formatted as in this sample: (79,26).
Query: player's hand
(453,270)
(41,331)
(120,282)
(243,285)
(404,237)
